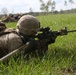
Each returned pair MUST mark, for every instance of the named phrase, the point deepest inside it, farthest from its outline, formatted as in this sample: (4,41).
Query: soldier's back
(9,42)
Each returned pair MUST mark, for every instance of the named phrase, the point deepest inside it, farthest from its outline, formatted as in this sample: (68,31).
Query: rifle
(46,33)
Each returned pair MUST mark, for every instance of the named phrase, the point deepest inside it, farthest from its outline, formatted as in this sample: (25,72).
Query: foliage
(60,58)
(4,11)
(45,6)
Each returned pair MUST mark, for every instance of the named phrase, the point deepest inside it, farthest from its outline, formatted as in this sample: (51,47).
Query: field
(61,56)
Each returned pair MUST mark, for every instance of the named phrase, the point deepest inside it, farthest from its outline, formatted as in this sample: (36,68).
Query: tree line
(49,6)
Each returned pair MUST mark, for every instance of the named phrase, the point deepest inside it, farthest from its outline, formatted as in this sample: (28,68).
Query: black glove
(42,45)
(34,46)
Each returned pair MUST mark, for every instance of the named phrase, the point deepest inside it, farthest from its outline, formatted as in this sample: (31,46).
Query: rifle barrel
(71,31)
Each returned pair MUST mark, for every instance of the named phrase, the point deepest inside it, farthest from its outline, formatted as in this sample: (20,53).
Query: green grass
(61,56)
(11,24)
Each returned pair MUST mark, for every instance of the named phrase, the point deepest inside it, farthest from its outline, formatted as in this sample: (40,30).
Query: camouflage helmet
(28,24)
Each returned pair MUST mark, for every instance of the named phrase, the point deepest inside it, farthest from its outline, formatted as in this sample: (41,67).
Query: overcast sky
(19,6)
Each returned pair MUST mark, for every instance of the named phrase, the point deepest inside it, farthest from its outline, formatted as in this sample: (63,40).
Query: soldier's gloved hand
(31,46)
(39,46)
(42,45)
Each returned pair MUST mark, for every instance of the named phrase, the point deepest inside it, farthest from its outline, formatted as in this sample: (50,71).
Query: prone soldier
(27,28)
